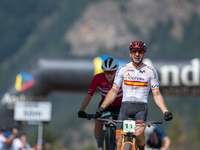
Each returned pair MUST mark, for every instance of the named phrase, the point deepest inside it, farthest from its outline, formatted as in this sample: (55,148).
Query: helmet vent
(109,64)
(114,67)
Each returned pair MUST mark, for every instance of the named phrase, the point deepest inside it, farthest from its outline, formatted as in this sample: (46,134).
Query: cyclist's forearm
(162,106)
(166,142)
(110,97)
(159,100)
(85,102)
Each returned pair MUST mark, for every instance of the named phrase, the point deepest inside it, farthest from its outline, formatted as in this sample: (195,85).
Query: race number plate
(128,126)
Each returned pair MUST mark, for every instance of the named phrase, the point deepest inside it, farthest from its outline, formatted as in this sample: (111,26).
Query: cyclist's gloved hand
(99,111)
(81,114)
(168,116)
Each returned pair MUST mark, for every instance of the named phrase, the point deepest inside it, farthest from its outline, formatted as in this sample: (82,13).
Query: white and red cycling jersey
(104,87)
(136,82)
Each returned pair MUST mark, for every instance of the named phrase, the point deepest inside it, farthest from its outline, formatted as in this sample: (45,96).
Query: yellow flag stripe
(97,65)
(18,82)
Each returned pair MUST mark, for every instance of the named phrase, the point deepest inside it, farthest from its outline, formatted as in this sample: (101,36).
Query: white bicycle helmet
(149,130)
(109,64)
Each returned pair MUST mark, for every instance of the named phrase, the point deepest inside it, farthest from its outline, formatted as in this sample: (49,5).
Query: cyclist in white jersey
(136,79)
(136,82)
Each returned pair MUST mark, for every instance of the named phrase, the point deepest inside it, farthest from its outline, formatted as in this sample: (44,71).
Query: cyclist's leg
(139,132)
(98,127)
(119,139)
(119,132)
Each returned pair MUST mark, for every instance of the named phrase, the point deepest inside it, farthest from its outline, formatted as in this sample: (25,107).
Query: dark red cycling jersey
(104,87)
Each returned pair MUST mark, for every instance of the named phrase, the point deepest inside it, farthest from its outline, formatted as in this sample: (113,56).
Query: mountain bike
(107,140)
(129,129)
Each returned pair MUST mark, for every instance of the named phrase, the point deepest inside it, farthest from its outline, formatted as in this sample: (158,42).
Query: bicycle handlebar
(148,123)
(90,116)
(94,116)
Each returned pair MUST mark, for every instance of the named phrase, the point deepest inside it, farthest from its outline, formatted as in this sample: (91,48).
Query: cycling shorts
(136,110)
(113,109)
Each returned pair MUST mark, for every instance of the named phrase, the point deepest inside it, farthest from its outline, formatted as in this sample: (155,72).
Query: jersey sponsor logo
(154,86)
(128,77)
(23,81)
(130,70)
(154,72)
(135,83)
(142,71)
(116,74)
(104,84)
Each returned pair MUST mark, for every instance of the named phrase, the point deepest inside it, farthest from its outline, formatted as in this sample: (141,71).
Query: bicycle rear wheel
(104,143)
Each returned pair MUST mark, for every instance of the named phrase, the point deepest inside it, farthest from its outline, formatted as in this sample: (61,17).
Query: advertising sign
(32,111)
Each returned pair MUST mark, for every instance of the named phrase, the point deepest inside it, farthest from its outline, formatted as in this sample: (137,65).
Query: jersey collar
(137,66)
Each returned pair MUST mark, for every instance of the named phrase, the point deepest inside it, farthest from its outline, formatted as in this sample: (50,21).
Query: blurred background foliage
(170,29)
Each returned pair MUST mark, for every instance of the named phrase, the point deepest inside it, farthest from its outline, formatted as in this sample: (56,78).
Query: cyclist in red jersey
(104,82)
(136,79)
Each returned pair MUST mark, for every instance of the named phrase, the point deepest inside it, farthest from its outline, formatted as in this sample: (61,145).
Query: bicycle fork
(134,142)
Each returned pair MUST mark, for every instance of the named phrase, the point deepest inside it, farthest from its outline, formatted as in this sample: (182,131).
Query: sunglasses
(109,72)
(135,51)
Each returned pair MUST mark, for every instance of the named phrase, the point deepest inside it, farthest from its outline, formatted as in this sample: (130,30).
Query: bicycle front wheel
(113,144)
(128,146)
(104,143)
